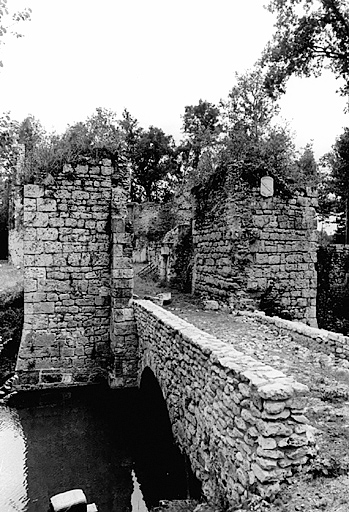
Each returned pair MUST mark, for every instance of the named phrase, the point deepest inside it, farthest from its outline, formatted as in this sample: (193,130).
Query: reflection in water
(137,500)
(13,476)
(88,439)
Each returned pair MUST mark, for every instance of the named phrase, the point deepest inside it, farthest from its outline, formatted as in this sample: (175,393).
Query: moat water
(116,446)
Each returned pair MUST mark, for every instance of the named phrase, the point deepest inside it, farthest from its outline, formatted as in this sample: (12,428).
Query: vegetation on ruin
(183,264)
(248,142)
(241,138)
(11,321)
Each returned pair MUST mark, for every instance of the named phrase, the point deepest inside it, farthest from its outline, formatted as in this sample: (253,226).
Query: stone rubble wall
(123,334)
(165,254)
(151,221)
(67,236)
(316,339)
(246,245)
(240,422)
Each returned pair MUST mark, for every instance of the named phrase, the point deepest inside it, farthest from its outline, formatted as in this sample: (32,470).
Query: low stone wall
(240,422)
(316,339)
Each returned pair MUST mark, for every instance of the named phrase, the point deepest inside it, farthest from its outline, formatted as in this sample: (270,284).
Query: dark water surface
(115,445)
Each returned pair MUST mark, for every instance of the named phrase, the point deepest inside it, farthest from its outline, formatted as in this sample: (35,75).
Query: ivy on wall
(333,288)
(183,264)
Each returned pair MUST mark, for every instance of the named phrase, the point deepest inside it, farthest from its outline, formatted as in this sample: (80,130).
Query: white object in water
(92,507)
(74,501)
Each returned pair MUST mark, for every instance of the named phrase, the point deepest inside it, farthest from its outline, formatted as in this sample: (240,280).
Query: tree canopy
(334,188)
(310,35)
(245,138)
(8,143)
(150,156)
(201,128)
(9,21)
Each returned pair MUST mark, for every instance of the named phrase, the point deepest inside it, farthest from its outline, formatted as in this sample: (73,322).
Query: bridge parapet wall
(331,343)
(240,422)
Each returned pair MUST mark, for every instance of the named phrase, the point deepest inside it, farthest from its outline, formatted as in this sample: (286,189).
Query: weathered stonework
(317,339)
(67,278)
(123,335)
(151,221)
(164,255)
(240,422)
(246,245)
(15,219)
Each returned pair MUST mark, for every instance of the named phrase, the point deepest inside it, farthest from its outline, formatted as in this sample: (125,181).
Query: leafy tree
(248,107)
(154,165)
(310,35)
(334,188)
(152,159)
(9,135)
(256,145)
(251,143)
(98,137)
(307,171)
(131,133)
(149,155)
(8,20)
(201,128)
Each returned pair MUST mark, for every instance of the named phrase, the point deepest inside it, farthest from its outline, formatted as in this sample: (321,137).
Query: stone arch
(160,459)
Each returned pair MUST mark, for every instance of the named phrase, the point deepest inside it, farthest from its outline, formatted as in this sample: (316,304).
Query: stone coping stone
(297,327)
(268,382)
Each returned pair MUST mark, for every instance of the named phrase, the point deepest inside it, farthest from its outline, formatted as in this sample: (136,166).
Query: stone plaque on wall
(267,186)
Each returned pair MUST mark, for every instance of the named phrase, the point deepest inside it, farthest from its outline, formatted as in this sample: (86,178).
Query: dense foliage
(334,190)
(150,156)
(246,140)
(11,321)
(310,35)
(240,136)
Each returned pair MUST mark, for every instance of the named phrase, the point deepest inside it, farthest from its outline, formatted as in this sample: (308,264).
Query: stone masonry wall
(239,421)
(67,238)
(123,335)
(333,288)
(247,246)
(151,221)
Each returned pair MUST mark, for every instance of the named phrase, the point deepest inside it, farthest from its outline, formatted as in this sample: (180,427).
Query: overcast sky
(152,57)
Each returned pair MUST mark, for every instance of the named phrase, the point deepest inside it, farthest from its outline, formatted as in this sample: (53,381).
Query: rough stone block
(45,307)
(43,260)
(35,219)
(29,204)
(46,205)
(33,191)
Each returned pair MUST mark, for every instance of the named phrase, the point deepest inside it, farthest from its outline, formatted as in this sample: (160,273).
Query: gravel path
(326,485)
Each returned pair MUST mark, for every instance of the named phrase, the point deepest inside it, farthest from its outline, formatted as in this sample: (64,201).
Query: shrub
(11,323)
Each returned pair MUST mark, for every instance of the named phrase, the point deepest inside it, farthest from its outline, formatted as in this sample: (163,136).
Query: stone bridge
(239,421)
